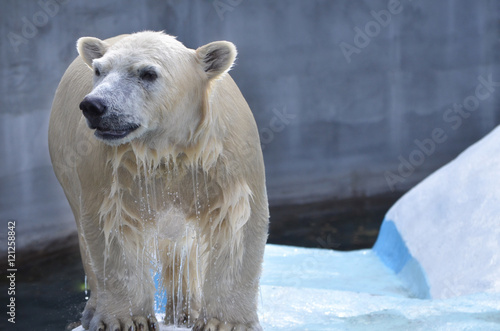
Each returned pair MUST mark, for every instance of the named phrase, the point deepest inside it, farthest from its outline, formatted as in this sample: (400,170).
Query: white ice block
(442,238)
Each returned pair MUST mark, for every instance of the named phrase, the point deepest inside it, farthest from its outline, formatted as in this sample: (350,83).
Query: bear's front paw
(214,324)
(101,322)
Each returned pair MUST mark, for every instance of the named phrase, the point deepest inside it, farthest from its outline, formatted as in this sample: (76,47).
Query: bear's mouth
(113,134)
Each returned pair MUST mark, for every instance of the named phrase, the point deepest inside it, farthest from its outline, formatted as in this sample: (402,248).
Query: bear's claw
(135,323)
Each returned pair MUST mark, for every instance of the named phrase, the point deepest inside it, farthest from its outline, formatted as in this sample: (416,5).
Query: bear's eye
(97,72)
(148,75)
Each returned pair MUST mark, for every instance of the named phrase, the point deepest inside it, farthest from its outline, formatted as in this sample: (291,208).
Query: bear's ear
(216,57)
(91,48)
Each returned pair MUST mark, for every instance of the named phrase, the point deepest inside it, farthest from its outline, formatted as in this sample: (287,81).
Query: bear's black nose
(93,108)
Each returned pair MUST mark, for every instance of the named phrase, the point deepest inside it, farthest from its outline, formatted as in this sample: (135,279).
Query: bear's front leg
(122,294)
(231,287)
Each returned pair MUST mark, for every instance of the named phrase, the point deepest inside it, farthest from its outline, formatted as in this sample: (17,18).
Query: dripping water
(172,296)
(86,288)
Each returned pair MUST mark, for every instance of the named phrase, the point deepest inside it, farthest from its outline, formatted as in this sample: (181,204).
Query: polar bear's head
(150,86)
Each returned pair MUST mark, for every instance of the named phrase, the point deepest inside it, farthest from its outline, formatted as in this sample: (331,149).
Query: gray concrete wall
(341,90)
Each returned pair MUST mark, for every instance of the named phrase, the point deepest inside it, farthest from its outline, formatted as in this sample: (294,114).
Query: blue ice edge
(393,252)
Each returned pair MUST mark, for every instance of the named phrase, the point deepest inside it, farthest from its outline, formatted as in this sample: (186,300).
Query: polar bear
(159,157)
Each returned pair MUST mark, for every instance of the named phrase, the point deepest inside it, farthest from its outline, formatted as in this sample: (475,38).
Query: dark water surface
(49,292)
(337,224)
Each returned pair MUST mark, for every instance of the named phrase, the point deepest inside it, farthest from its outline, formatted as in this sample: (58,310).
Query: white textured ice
(450,224)
(315,289)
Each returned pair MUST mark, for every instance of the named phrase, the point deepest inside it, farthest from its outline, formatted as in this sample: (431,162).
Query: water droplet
(86,288)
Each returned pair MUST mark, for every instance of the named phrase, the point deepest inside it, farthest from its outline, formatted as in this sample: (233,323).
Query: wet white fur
(184,194)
